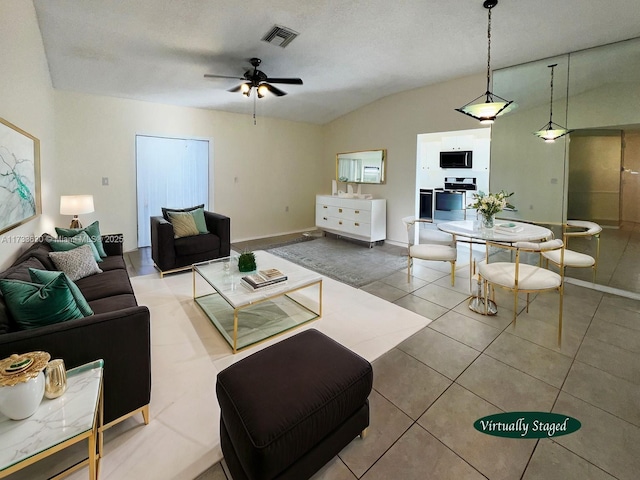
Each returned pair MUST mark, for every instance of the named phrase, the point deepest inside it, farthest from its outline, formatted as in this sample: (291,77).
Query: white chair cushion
(541,246)
(590,227)
(530,276)
(571,258)
(433,252)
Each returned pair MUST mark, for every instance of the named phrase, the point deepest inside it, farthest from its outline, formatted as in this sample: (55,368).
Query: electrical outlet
(105,181)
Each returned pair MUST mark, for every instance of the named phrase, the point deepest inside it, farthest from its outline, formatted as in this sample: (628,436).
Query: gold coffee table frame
(225,281)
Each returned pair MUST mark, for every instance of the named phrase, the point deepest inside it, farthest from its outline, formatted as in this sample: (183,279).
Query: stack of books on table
(263,278)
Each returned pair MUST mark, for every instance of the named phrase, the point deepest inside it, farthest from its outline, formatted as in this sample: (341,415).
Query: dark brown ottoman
(290,408)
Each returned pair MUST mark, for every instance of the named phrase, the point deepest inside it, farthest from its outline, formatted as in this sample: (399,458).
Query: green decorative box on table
(247,262)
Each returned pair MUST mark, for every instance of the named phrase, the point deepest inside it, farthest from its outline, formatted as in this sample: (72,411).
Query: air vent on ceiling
(280,36)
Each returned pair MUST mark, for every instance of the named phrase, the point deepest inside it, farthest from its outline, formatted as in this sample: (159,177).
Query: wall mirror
(366,166)
(590,174)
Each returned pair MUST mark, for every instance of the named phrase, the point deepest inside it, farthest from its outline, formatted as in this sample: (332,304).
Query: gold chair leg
(485,287)
(560,316)
(527,302)
(363,433)
(453,273)
(515,307)
(408,269)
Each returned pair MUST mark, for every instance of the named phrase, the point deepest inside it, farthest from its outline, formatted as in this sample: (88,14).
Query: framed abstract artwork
(19,176)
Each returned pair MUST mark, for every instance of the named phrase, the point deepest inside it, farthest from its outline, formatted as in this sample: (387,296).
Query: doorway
(604,176)
(630,173)
(170,172)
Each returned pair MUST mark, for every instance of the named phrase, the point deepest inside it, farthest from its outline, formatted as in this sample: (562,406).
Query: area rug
(348,262)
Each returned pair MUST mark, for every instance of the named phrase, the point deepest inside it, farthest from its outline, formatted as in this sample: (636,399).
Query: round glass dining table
(505,231)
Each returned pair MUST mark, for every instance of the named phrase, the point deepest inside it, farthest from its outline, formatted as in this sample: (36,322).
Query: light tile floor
(430,389)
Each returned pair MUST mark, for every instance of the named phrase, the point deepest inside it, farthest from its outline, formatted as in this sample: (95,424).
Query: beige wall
(394,123)
(258,171)
(26,100)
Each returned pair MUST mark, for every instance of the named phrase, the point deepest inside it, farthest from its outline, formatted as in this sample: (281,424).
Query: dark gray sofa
(173,254)
(118,332)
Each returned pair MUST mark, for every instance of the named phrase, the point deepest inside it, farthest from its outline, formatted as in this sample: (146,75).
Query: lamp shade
(487,111)
(76,204)
(551,132)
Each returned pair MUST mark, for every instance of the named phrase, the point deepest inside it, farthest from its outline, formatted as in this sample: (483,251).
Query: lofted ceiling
(349,53)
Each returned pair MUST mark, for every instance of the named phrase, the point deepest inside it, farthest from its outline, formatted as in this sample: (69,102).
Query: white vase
(22,400)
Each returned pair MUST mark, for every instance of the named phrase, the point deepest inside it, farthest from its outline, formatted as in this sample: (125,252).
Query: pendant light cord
(488,54)
(551,99)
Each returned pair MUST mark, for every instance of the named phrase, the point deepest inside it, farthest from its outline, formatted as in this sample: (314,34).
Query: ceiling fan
(259,80)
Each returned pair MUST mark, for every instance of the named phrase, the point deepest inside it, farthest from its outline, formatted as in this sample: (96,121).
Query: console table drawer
(343,212)
(343,225)
(356,218)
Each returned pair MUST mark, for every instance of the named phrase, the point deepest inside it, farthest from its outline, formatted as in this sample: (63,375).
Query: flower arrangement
(489,204)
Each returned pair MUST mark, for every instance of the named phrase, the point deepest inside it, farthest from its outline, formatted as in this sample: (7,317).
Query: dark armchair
(172,254)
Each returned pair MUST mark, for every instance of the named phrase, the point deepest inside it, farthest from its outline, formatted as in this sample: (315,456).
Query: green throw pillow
(33,305)
(184,224)
(92,230)
(65,244)
(198,217)
(45,276)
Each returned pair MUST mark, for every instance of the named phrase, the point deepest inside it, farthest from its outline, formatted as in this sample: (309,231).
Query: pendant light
(551,131)
(493,105)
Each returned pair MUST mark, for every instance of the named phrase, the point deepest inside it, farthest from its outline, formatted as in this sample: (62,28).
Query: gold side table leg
(92,456)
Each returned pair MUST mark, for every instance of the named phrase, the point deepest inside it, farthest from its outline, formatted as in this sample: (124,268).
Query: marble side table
(71,418)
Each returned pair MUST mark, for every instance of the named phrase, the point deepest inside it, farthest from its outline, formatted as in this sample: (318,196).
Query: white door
(171,172)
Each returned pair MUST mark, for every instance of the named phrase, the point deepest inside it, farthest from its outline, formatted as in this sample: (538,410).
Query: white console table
(356,218)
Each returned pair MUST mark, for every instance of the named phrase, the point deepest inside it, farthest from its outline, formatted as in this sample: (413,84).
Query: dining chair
(573,259)
(521,277)
(432,245)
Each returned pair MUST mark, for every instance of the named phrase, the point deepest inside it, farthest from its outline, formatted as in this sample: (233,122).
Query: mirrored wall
(590,174)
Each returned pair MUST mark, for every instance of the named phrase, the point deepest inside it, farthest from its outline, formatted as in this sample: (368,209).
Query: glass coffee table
(246,317)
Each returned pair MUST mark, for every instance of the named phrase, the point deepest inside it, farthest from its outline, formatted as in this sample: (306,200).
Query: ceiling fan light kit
(493,104)
(259,80)
(551,131)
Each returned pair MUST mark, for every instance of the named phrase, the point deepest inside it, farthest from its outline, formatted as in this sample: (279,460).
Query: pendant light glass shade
(551,131)
(486,111)
(493,105)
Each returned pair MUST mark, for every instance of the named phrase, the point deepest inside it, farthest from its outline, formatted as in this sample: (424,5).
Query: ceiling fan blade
(235,89)
(290,81)
(209,75)
(274,90)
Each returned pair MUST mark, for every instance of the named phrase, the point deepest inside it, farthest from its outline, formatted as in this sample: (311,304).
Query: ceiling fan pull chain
(255,97)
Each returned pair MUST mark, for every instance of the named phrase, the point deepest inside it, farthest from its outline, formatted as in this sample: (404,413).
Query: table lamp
(75,205)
